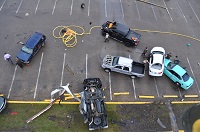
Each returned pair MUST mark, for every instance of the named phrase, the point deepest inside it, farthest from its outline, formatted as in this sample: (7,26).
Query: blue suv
(31,47)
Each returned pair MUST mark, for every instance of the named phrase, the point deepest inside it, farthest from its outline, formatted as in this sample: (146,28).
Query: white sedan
(156,61)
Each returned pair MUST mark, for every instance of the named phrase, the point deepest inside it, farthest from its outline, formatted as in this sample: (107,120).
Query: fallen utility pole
(152,4)
(51,104)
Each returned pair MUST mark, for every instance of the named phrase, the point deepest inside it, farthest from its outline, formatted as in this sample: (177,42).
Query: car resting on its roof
(92,105)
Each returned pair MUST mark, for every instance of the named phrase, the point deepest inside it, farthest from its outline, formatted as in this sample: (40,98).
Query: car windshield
(27,50)
(171,65)
(115,61)
(185,77)
(157,52)
(157,66)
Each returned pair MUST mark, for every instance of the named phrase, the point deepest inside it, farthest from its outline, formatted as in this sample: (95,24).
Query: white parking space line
(167,10)
(133,85)
(105,9)
(193,76)
(38,76)
(110,86)
(137,9)
(2,5)
(62,69)
(154,12)
(89,8)
(86,59)
(194,12)
(37,6)
(19,5)
(71,7)
(180,93)
(54,6)
(134,89)
(181,12)
(122,8)
(154,78)
(12,82)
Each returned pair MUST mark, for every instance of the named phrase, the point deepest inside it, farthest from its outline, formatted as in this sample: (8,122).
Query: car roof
(178,69)
(125,61)
(33,40)
(122,28)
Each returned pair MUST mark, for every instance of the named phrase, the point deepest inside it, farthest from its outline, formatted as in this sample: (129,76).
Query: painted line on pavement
(71,7)
(105,9)
(38,76)
(137,9)
(62,69)
(12,82)
(154,12)
(194,12)
(146,97)
(54,6)
(110,86)
(122,8)
(156,86)
(193,76)
(86,65)
(37,6)
(167,10)
(170,96)
(191,96)
(89,8)
(2,5)
(182,12)
(19,5)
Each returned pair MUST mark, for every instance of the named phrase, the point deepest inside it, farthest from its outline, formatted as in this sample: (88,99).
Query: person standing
(145,51)
(169,55)
(106,37)
(8,57)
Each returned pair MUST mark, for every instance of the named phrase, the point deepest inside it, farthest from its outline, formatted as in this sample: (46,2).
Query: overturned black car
(121,33)
(92,105)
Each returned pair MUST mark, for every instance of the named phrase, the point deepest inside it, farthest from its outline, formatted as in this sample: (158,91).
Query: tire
(103,33)
(107,70)
(178,84)
(127,44)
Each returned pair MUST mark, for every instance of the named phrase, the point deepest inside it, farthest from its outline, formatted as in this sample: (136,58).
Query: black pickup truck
(121,33)
(92,105)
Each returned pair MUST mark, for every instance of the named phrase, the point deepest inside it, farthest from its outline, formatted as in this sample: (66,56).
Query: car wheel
(107,70)
(127,44)
(178,84)
(103,33)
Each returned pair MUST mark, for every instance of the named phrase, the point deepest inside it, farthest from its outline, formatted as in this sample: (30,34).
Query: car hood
(23,56)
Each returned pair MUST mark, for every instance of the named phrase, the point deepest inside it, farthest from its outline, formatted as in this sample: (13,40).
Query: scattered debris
(160,123)
(26,14)
(122,123)
(14,113)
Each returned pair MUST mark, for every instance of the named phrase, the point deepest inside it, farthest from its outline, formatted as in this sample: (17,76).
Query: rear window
(115,61)
(185,77)
(157,66)
(171,65)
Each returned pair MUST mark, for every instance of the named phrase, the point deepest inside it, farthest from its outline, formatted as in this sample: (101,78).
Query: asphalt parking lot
(57,65)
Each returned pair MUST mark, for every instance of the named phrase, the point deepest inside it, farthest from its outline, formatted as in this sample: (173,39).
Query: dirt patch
(144,118)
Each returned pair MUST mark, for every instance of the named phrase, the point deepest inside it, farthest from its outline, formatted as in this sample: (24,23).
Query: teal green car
(177,74)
